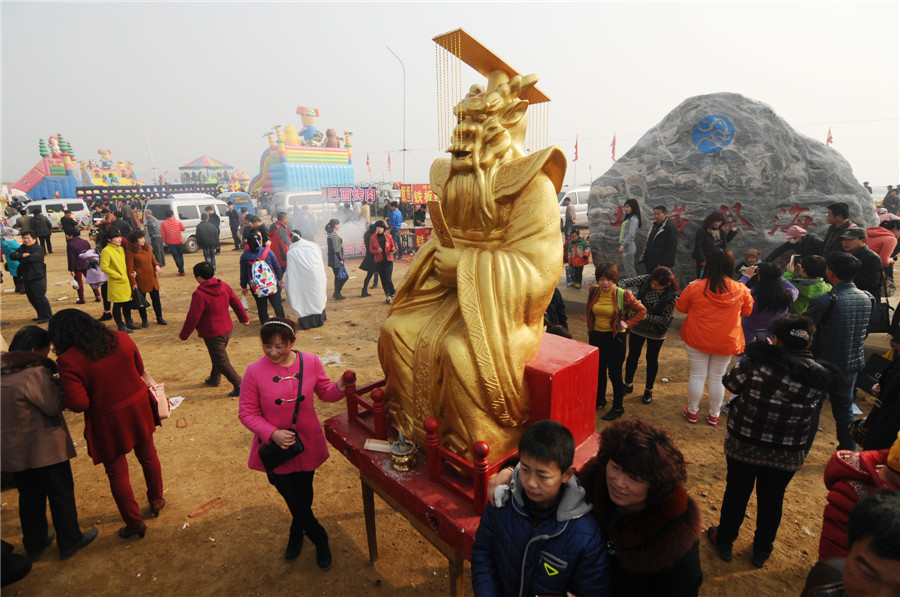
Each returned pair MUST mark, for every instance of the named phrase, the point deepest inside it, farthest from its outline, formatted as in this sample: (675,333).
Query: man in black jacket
(68,223)
(854,241)
(839,220)
(207,238)
(43,227)
(33,273)
(661,242)
(234,222)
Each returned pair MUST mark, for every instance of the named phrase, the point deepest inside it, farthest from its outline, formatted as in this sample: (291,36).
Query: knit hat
(795,232)
(893,458)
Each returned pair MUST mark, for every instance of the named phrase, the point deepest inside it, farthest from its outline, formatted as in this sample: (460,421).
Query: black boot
(295,544)
(365,293)
(144,322)
(323,554)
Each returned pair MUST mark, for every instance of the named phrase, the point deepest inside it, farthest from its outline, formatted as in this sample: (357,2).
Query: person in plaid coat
(779,386)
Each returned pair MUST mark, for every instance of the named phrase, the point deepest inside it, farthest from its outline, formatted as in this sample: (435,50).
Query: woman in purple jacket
(269,397)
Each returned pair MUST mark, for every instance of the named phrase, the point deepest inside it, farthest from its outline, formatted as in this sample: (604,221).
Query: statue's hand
(445,263)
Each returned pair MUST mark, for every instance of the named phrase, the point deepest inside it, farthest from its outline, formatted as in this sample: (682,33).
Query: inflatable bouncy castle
(106,173)
(304,161)
(53,176)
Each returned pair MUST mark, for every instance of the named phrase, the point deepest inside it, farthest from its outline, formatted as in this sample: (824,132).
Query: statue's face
(479,141)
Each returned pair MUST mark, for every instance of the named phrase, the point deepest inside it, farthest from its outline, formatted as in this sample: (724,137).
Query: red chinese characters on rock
(677,216)
(733,215)
(798,217)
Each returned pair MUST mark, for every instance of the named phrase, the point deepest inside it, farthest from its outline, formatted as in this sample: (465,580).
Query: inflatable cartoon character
(308,118)
(53,141)
(105,159)
(332,139)
(290,136)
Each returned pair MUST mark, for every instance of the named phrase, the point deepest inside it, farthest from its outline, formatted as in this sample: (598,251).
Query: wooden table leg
(368,497)
(457,575)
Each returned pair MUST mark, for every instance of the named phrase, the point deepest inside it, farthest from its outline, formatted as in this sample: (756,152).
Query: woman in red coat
(382,247)
(119,415)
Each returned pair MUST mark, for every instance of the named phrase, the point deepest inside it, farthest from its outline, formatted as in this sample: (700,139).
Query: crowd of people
(622,525)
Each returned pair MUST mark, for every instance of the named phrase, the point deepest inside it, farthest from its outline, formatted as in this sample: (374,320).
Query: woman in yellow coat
(118,291)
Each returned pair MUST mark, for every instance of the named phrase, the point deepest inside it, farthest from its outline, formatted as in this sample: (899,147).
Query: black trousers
(36,487)
(297,491)
(36,291)
(369,275)
(635,345)
(612,356)
(338,284)
(118,309)
(154,300)
(236,238)
(262,305)
(46,242)
(770,486)
(385,272)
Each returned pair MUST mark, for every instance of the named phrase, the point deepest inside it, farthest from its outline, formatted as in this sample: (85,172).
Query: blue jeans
(395,234)
(842,410)
(209,254)
(177,256)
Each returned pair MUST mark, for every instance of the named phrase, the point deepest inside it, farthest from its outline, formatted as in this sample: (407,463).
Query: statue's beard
(469,201)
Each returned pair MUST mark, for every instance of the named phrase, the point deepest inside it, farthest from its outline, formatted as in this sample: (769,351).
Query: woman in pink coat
(269,397)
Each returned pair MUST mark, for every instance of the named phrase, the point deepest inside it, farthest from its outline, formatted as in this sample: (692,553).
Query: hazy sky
(214,77)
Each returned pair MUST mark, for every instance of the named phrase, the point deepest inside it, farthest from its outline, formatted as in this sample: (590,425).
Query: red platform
(562,380)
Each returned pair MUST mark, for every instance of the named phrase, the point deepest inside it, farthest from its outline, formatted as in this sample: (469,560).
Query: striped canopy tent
(205,162)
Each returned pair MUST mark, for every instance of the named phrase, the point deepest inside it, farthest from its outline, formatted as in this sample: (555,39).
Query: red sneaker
(711,420)
(690,418)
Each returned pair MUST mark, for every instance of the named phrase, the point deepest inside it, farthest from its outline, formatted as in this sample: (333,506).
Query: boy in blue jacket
(543,539)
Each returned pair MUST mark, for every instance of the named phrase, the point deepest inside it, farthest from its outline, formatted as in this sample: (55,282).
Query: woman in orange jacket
(712,331)
(611,312)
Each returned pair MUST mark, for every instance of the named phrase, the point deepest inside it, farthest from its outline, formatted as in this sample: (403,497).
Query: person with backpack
(578,255)
(261,273)
(611,312)
(656,291)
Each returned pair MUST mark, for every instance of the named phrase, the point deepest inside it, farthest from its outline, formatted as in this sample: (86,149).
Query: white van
(54,209)
(187,208)
(286,200)
(579,197)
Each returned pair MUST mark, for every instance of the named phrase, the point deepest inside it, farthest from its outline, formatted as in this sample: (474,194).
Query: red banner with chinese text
(417,194)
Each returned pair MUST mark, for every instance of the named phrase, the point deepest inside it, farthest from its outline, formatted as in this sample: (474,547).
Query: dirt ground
(236,547)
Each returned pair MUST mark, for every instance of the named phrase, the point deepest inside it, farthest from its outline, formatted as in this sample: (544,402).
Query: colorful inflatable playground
(57,174)
(304,160)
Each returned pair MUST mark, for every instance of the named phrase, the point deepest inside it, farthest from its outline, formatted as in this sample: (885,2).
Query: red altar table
(562,380)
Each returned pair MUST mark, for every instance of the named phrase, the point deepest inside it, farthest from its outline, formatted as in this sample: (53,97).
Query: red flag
(613,145)
(389,161)
(368,164)
(829,140)
(575,159)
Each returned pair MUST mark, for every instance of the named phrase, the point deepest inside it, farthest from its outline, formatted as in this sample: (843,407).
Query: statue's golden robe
(459,354)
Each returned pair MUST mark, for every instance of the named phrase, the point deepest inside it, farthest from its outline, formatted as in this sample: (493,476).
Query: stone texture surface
(758,171)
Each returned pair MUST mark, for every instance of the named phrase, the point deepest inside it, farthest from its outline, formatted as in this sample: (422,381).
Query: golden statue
(469,314)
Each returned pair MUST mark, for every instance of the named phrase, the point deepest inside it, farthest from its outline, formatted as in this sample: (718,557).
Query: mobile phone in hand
(762,336)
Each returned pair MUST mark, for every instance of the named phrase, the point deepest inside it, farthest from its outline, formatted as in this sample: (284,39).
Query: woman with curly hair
(635,485)
(711,236)
(778,387)
(143,270)
(118,417)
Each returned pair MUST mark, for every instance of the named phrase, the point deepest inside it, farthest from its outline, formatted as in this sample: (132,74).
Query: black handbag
(871,375)
(271,454)
(880,317)
(137,300)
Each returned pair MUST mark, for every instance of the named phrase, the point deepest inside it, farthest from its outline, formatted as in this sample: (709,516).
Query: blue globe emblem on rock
(713,133)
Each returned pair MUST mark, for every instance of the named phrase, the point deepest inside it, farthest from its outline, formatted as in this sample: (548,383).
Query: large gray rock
(729,153)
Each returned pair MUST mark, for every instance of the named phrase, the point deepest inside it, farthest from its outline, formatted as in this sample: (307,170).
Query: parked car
(240,200)
(579,197)
(54,209)
(286,200)
(187,207)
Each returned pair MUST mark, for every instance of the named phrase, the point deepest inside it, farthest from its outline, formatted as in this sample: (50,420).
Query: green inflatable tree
(42,148)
